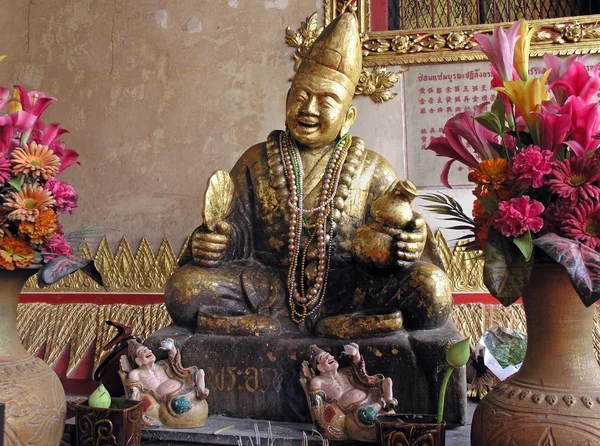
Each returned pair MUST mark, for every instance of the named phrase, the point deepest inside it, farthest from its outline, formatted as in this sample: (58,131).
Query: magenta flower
(583,224)
(67,157)
(577,81)
(34,102)
(585,119)
(463,126)
(6,138)
(4,97)
(554,215)
(57,245)
(559,68)
(555,128)
(530,166)
(5,170)
(64,194)
(500,49)
(21,121)
(49,136)
(574,179)
(517,216)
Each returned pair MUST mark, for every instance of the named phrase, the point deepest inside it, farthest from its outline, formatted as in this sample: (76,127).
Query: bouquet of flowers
(534,162)
(32,156)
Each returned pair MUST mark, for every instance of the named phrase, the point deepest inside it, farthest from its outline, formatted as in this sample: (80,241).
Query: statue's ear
(350,118)
(138,362)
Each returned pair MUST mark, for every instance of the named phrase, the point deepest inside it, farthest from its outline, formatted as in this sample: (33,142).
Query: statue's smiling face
(317,110)
(326,363)
(144,356)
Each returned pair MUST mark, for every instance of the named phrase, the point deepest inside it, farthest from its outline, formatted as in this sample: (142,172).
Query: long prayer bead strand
(293,169)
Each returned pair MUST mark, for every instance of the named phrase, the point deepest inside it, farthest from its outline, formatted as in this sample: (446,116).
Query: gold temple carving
(143,271)
(560,36)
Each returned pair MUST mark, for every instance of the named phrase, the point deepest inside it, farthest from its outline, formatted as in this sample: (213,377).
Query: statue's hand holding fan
(210,241)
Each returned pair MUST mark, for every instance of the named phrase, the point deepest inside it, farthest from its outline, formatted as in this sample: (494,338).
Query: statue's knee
(426,296)
(181,294)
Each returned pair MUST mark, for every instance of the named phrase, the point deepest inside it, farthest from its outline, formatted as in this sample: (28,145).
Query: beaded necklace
(302,303)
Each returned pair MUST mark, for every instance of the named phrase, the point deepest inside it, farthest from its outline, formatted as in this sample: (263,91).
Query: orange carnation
(15,253)
(42,229)
(489,174)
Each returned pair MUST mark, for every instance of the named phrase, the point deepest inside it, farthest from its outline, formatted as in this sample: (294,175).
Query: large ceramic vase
(31,391)
(554,399)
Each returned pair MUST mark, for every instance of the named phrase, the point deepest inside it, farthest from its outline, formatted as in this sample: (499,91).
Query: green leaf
(499,108)
(505,271)
(525,244)
(489,204)
(450,208)
(16,182)
(491,122)
(494,119)
(37,257)
(458,354)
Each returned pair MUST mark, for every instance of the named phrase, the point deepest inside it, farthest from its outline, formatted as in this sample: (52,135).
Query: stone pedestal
(257,377)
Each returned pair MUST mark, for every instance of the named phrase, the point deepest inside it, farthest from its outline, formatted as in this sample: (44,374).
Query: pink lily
(500,49)
(578,82)
(4,97)
(34,102)
(6,138)
(45,135)
(67,156)
(21,121)
(454,149)
(555,129)
(559,69)
(478,137)
(463,125)
(585,119)
(49,136)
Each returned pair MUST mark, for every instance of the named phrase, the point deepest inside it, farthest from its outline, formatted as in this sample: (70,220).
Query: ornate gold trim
(464,267)
(145,272)
(561,36)
(376,83)
(363,12)
(82,327)
(121,272)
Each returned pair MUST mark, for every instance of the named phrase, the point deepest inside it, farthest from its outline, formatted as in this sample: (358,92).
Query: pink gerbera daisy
(574,178)
(517,216)
(554,215)
(5,170)
(583,224)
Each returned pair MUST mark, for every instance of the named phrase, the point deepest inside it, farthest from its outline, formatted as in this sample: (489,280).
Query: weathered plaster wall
(157,94)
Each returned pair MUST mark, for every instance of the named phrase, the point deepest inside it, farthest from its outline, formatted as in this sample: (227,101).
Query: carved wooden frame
(562,36)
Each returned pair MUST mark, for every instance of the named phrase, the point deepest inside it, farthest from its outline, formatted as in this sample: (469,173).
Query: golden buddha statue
(283,249)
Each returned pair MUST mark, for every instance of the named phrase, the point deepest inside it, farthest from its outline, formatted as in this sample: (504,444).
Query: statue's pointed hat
(336,54)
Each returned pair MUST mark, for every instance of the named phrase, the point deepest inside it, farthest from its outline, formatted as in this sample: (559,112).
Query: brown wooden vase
(554,399)
(31,391)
